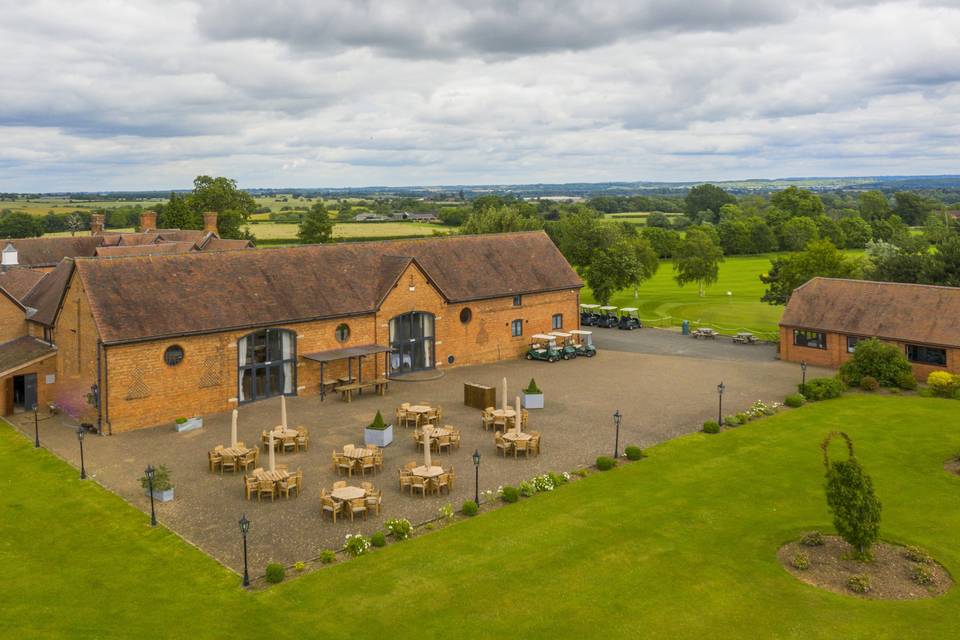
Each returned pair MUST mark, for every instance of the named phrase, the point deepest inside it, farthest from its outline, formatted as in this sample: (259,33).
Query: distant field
(278,231)
(42,206)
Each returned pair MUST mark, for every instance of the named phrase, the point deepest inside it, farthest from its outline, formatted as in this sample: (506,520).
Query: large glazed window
(412,342)
(266,364)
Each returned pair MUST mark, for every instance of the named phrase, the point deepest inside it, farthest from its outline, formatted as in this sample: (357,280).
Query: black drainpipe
(105,393)
(99,390)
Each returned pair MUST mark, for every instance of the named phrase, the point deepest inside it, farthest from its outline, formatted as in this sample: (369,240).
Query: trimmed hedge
(794,400)
(822,389)
(605,463)
(711,426)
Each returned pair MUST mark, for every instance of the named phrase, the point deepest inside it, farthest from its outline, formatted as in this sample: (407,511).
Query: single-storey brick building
(826,317)
(180,334)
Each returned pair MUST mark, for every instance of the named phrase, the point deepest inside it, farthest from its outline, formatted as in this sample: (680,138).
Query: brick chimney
(210,221)
(96,224)
(148,221)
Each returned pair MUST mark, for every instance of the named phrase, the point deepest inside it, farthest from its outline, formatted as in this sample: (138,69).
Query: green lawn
(681,545)
(661,300)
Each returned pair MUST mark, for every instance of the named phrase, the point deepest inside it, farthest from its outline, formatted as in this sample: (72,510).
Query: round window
(466,315)
(173,355)
(450,359)
(343,332)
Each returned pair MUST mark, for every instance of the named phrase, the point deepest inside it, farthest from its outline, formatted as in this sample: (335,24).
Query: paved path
(673,343)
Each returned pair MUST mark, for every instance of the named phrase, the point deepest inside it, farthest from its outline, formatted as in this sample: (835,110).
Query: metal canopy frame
(348,354)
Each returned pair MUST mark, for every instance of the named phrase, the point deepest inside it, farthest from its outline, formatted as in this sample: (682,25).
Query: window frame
(466,315)
(336,333)
(514,325)
(518,300)
(556,322)
(819,336)
(939,362)
(170,349)
(856,339)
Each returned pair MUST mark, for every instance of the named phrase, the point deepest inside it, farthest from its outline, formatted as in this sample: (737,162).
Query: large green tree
(798,202)
(177,214)
(913,208)
(797,233)
(707,197)
(788,272)
(18,224)
(219,194)
(856,231)
(316,225)
(697,259)
(873,205)
(500,220)
(626,260)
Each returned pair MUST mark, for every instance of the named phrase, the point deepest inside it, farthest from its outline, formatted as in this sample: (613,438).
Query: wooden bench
(346,391)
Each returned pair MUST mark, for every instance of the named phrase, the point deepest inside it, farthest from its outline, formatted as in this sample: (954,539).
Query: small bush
(921,574)
(605,463)
(730,421)
(812,539)
(378,539)
(446,511)
(356,544)
(943,383)
(711,426)
(859,583)
(470,508)
(509,494)
(275,572)
(875,359)
(582,472)
(299,566)
(743,418)
(822,389)
(532,388)
(916,554)
(399,528)
(560,478)
(869,383)
(794,400)
(527,489)
(633,453)
(327,556)
(800,561)
(907,381)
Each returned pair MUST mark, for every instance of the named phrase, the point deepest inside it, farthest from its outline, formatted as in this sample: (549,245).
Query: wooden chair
(367,486)
(265,487)
(444,442)
(344,463)
(248,459)
(433,417)
(534,445)
(453,476)
(418,484)
(404,477)
(228,461)
(339,484)
(500,423)
(521,446)
(524,418)
(400,417)
(241,444)
(503,447)
(486,419)
(455,437)
(250,485)
(442,482)
(367,462)
(213,459)
(378,459)
(302,439)
(293,482)
(265,440)
(329,505)
(289,444)
(374,500)
(411,419)
(282,467)
(410,466)
(357,506)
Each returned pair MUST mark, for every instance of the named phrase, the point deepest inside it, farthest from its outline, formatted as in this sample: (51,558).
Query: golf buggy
(583,342)
(608,317)
(543,347)
(568,350)
(589,315)
(629,319)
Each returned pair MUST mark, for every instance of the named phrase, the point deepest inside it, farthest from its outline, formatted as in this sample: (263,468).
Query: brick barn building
(184,334)
(826,317)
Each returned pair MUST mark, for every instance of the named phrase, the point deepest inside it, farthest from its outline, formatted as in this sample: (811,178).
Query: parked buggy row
(564,345)
(607,317)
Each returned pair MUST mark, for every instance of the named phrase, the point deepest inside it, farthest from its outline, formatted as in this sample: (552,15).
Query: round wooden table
(348,493)
(427,472)
(513,436)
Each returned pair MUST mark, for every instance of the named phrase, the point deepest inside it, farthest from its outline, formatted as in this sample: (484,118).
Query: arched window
(411,341)
(267,364)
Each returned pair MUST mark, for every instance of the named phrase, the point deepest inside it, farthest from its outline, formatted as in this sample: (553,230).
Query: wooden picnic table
(704,332)
(744,337)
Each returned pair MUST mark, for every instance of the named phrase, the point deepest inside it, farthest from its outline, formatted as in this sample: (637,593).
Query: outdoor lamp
(36,427)
(616,442)
(476,466)
(150,472)
(83,470)
(720,388)
(244,528)
(803,380)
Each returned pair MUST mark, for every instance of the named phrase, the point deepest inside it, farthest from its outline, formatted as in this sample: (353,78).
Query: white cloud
(147,95)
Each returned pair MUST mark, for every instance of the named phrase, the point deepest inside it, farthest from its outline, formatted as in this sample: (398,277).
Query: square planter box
(162,496)
(189,425)
(379,437)
(532,400)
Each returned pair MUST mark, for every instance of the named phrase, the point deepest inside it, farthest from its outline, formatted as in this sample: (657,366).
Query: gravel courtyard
(660,394)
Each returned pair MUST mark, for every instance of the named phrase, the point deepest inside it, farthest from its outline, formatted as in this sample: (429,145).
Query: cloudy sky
(142,95)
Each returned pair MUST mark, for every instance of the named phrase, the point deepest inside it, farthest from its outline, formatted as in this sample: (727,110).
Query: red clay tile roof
(214,243)
(20,351)
(17,281)
(47,295)
(48,252)
(159,248)
(142,297)
(907,312)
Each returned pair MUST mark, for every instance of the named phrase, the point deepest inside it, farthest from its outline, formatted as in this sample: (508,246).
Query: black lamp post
(720,388)
(150,471)
(36,428)
(616,442)
(244,528)
(476,466)
(803,381)
(83,470)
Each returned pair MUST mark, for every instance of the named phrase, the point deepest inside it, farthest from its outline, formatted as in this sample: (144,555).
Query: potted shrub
(188,424)
(162,485)
(532,396)
(377,432)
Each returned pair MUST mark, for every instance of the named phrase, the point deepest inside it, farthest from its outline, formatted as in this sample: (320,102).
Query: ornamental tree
(850,498)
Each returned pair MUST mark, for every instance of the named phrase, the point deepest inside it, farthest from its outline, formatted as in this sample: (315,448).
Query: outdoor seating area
(418,415)
(426,479)
(352,459)
(445,439)
(274,483)
(518,443)
(500,420)
(348,500)
(744,337)
(704,332)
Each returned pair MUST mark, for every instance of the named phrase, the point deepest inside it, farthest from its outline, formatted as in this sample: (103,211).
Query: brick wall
(76,337)
(836,354)
(13,321)
(45,389)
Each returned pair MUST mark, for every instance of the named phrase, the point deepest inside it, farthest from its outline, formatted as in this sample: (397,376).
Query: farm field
(281,231)
(42,206)
(663,303)
(694,527)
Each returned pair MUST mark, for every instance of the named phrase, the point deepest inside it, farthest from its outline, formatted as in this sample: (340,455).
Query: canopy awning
(347,352)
